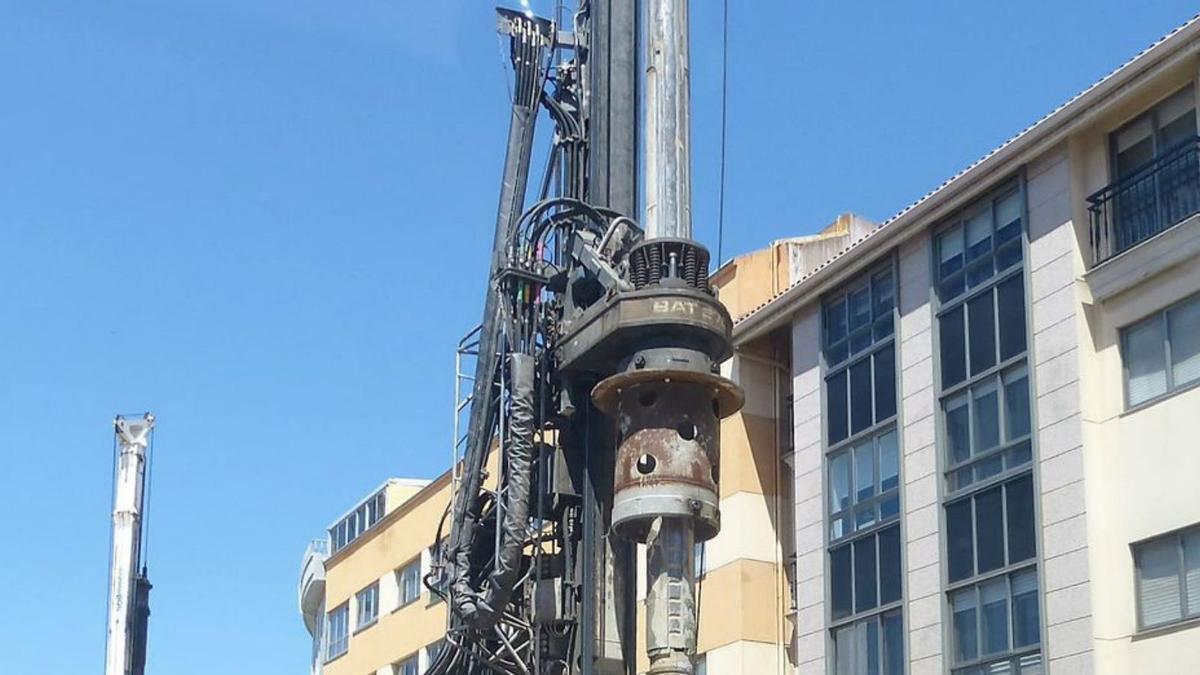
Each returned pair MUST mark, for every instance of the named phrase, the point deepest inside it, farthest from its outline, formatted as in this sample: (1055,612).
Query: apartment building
(361,592)
(995,409)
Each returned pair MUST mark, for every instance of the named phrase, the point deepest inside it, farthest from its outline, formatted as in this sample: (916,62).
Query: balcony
(1147,202)
(312,583)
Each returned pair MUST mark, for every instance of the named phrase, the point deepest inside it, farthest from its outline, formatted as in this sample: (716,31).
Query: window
(408,666)
(864,484)
(434,650)
(980,244)
(408,578)
(999,616)
(1162,353)
(701,665)
(1152,135)
(363,517)
(440,579)
(860,356)
(368,606)
(874,646)
(986,440)
(699,562)
(862,467)
(337,628)
(1168,578)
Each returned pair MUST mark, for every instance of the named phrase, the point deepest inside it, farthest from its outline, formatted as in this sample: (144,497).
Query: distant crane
(129,588)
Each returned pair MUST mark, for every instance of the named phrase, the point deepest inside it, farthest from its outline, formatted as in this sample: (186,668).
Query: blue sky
(268,222)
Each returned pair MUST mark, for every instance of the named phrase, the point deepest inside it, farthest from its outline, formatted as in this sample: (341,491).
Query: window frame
(1152,114)
(878,618)
(399,572)
(344,638)
(990,285)
(1184,616)
(1172,388)
(873,432)
(412,659)
(370,590)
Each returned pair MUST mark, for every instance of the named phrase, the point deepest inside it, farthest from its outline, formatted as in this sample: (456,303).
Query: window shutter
(1144,359)
(1191,566)
(1158,565)
(1185,342)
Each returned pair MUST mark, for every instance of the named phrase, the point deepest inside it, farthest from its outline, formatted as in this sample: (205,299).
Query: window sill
(337,656)
(365,626)
(406,604)
(1148,403)
(1166,628)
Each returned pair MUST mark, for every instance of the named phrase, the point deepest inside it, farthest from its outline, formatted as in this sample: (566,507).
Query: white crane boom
(128,587)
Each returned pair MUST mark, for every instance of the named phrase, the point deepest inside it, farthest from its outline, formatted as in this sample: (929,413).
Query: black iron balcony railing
(1161,194)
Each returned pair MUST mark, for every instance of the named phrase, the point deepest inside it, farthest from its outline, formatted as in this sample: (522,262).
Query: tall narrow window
(368,606)
(337,629)
(409,578)
(863,474)
(986,441)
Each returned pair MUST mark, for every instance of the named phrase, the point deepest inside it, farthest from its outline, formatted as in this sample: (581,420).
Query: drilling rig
(597,378)
(129,586)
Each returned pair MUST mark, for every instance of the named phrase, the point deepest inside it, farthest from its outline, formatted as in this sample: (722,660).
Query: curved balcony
(311,591)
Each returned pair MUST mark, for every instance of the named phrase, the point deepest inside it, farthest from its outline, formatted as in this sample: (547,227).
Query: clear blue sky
(268,221)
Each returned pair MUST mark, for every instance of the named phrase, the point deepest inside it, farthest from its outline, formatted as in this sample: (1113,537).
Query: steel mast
(129,589)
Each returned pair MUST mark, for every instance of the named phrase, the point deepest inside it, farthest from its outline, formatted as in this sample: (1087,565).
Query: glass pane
(966,644)
(1191,572)
(1158,565)
(1176,119)
(979,233)
(864,517)
(950,252)
(994,596)
(889,565)
(1025,609)
(1008,217)
(859,303)
(861,411)
(885,384)
(893,644)
(870,646)
(839,482)
(986,468)
(889,508)
(1021,454)
(882,293)
(989,529)
(844,644)
(1022,537)
(1009,254)
(1010,299)
(840,583)
(958,429)
(835,322)
(837,408)
(960,540)
(864,575)
(1144,357)
(864,470)
(838,527)
(952,337)
(987,417)
(982,330)
(889,462)
(1185,342)
(1016,403)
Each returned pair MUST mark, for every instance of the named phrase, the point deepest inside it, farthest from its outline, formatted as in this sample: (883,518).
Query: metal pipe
(670,597)
(668,122)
